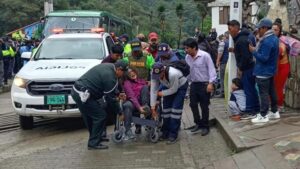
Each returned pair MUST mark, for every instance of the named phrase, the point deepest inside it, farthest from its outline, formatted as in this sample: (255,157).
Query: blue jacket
(266,57)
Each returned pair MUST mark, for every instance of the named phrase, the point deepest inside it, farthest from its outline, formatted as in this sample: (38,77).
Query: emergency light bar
(97,30)
(78,30)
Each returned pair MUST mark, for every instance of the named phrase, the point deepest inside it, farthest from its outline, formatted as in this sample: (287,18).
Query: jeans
(267,92)
(222,75)
(252,101)
(129,110)
(198,94)
(233,108)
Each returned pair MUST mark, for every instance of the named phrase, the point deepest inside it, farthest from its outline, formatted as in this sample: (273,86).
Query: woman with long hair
(283,68)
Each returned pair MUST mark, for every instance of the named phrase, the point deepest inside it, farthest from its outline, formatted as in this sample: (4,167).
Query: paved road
(62,144)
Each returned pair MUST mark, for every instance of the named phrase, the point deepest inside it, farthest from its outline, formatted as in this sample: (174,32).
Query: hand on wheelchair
(142,110)
(154,114)
(122,96)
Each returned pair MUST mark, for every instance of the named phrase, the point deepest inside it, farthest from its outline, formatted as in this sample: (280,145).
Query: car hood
(68,69)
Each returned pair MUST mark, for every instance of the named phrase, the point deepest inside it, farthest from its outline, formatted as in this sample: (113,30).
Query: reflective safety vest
(142,65)
(9,52)
(12,52)
(127,49)
(5,53)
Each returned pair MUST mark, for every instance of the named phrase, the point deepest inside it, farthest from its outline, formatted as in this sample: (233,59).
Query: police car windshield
(71,48)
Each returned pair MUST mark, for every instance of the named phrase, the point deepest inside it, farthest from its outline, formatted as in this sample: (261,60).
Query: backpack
(180,65)
(180,54)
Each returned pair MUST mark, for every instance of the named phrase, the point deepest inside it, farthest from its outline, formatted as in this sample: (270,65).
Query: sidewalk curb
(230,138)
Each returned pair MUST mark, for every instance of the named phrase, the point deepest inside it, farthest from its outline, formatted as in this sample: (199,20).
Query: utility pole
(48,6)
(236,8)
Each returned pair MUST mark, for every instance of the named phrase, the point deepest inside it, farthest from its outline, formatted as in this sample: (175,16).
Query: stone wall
(292,92)
(279,11)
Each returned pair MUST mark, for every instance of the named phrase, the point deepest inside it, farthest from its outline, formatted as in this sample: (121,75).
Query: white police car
(42,87)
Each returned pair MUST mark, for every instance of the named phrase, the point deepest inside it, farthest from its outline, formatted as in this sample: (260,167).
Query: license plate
(55,99)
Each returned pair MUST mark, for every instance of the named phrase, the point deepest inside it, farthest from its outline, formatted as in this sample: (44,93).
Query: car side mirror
(26,55)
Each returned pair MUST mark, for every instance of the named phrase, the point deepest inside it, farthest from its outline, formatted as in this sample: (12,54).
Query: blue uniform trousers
(171,112)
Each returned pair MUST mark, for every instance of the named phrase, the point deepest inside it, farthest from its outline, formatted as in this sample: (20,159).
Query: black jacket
(244,58)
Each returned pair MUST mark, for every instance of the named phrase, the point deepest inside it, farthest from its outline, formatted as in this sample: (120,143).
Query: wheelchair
(152,128)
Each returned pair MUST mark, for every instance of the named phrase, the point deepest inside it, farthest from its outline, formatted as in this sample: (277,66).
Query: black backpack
(180,65)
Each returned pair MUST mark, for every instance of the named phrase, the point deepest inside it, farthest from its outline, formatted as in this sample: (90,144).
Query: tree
(17,13)
(203,12)
(179,13)
(161,14)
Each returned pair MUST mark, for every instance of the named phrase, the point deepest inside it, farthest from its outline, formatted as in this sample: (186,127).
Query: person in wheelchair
(137,92)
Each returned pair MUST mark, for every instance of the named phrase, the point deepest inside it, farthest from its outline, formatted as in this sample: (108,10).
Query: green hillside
(143,14)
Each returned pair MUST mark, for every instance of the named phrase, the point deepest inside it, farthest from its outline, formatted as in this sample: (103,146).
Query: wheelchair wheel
(153,136)
(117,137)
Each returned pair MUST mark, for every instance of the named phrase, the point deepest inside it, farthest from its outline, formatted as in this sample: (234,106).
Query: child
(237,101)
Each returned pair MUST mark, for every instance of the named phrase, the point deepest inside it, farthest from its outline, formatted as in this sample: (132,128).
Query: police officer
(99,83)
(140,60)
(7,52)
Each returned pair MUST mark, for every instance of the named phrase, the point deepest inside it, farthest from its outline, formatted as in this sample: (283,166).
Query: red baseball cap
(152,35)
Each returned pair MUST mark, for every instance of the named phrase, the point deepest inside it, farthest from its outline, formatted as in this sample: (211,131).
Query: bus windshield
(71,22)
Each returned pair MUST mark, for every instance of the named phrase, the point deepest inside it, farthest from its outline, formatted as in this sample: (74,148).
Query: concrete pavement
(275,145)
(58,146)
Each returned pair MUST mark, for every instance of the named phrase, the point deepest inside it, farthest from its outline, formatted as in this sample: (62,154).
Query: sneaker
(171,140)
(190,128)
(273,116)
(260,119)
(196,129)
(247,116)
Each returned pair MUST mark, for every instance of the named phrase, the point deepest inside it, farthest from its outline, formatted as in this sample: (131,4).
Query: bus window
(112,26)
(110,43)
(104,23)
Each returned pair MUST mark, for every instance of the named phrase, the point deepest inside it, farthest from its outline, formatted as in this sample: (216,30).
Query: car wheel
(26,122)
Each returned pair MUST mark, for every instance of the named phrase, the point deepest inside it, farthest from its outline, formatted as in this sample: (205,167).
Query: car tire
(26,122)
